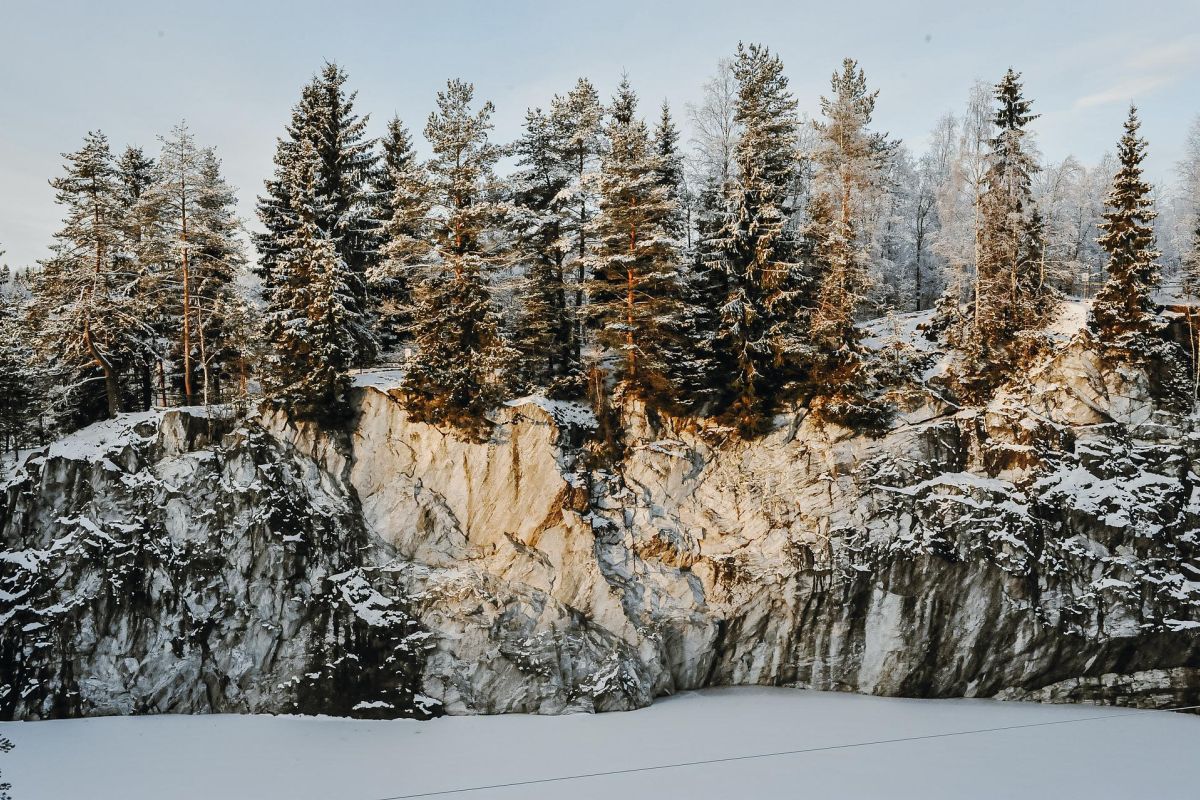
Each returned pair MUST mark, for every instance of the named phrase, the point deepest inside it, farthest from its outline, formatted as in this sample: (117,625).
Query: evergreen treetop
(1123,308)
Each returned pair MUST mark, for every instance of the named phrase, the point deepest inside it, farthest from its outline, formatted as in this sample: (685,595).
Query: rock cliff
(1043,547)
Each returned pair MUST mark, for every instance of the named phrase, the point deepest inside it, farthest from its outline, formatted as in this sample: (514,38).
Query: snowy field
(1038,752)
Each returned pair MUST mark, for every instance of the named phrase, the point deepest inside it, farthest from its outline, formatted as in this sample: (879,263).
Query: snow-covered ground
(1031,751)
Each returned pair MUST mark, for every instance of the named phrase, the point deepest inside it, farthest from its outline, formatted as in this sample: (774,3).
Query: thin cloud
(1125,91)
(1170,55)
(1160,64)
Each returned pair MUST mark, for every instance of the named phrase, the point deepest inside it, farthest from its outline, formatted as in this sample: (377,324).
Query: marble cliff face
(1042,547)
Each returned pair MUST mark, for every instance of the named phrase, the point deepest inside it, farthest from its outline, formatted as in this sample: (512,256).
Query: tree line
(722,282)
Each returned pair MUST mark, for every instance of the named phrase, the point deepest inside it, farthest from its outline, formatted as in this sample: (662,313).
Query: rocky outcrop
(1044,547)
(179,562)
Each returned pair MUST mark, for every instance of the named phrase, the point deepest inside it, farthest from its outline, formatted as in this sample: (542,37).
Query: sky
(233,70)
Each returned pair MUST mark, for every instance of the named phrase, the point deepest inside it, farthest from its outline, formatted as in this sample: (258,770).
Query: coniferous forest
(603,255)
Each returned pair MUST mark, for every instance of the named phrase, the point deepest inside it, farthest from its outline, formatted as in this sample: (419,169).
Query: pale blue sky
(234,69)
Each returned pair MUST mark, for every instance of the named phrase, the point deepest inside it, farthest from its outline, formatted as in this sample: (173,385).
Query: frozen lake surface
(1061,751)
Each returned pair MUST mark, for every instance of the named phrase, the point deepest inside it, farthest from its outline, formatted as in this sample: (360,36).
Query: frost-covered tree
(670,173)
(221,312)
(1012,294)
(634,295)
(143,252)
(176,195)
(135,171)
(1189,176)
(932,175)
(313,322)
(1184,222)
(758,327)
(712,171)
(851,165)
(401,192)
(715,129)
(455,374)
(1190,289)
(956,238)
(578,117)
(545,335)
(1123,312)
(326,119)
(1070,199)
(18,386)
(81,294)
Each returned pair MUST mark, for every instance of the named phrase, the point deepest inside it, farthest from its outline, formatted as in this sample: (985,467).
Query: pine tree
(1011,296)
(1123,312)
(635,303)
(851,161)
(454,374)
(313,321)
(81,295)
(324,118)
(176,196)
(545,337)
(401,202)
(218,257)
(578,117)
(753,246)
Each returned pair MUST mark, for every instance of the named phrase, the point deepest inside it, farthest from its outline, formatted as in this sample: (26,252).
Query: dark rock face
(1046,547)
(187,564)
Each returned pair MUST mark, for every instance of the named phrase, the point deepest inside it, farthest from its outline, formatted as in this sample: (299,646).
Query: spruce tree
(1123,312)
(81,295)
(135,171)
(313,321)
(325,118)
(455,374)
(669,172)
(754,246)
(694,367)
(143,252)
(633,289)
(702,375)
(1011,295)
(401,203)
(545,333)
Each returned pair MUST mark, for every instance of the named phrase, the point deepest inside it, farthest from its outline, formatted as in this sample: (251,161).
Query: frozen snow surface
(857,747)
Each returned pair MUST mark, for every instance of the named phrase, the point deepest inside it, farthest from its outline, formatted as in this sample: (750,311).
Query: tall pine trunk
(187,299)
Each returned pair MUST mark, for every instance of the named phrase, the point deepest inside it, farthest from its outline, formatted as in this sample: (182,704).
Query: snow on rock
(899,329)
(1069,320)
(564,414)
(382,379)
(1027,549)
